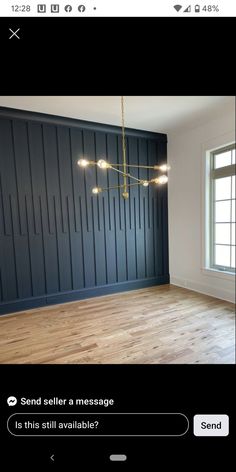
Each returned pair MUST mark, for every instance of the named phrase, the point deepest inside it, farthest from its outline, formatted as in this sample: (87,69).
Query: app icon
(55,8)
(12,401)
(41,8)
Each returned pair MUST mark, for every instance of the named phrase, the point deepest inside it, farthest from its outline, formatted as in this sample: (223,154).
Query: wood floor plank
(164,324)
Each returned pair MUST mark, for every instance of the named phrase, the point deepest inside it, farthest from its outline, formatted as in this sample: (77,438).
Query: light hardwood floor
(164,324)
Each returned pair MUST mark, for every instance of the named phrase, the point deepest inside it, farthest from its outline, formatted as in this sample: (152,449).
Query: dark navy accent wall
(58,242)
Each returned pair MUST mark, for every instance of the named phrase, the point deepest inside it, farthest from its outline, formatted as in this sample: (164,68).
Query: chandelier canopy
(124,168)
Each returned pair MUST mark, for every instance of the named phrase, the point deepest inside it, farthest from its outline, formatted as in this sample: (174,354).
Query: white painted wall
(186,149)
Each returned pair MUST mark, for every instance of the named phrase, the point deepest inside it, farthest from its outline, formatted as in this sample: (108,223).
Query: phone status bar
(117,8)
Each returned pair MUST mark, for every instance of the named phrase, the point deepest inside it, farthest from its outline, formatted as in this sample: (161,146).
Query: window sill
(219,274)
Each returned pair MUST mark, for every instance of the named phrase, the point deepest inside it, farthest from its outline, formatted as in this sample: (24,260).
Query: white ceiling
(153,113)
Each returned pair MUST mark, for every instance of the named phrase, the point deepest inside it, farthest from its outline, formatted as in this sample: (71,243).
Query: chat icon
(12,401)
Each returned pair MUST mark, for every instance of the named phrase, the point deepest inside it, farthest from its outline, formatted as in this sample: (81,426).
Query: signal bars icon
(188,9)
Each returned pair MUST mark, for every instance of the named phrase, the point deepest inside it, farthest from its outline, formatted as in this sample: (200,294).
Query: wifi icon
(177,7)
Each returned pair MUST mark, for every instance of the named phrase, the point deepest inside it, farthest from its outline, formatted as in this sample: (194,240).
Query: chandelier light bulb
(163,179)
(96,190)
(164,167)
(145,183)
(83,162)
(102,164)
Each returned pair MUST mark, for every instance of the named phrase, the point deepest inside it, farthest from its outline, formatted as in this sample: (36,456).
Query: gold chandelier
(103,164)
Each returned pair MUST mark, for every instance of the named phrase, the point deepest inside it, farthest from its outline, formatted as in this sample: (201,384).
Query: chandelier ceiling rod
(125,193)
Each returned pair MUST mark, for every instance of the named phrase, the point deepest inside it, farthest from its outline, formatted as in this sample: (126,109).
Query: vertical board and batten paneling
(59,242)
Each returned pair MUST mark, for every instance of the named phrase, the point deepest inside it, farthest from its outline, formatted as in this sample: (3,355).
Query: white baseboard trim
(222,294)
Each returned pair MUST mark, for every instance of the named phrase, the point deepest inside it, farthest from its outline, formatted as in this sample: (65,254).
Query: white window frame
(226,171)
(208,147)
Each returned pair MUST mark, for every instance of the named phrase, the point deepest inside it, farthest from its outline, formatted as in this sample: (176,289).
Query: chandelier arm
(136,183)
(135,165)
(117,170)
(134,178)
(120,186)
(125,175)
(120,172)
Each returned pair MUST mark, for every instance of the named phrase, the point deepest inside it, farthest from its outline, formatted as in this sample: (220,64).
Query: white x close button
(14,34)
(211,425)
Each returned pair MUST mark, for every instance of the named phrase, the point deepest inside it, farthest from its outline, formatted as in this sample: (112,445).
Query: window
(222,209)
